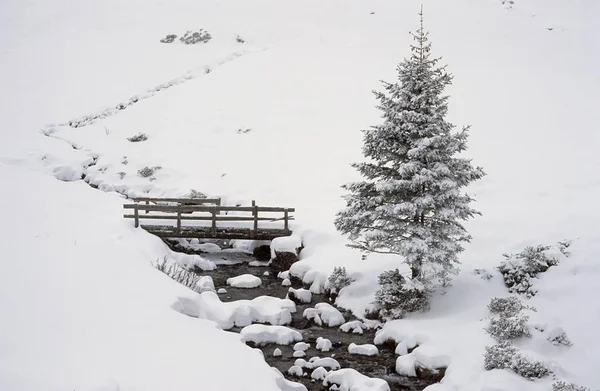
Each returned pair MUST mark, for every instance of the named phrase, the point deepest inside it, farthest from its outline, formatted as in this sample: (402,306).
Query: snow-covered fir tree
(411,200)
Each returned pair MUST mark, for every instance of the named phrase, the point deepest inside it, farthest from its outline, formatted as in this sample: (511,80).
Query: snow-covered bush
(562,386)
(196,194)
(505,306)
(558,336)
(148,172)
(239,39)
(398,296)
(179,274)
(505,356)
(169,38)
(190,38)
(509,327)
(519,269)
(484,274)
(338,279)
(138,138)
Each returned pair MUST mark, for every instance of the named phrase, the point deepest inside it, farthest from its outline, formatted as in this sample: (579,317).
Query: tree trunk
(416,269)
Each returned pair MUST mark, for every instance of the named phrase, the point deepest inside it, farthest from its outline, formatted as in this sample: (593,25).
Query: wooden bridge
(204,218)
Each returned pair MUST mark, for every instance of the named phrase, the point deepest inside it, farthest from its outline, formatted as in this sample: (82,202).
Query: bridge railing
(184,210)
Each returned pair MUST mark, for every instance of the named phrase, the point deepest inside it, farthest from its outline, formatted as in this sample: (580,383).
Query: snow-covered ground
(79,299)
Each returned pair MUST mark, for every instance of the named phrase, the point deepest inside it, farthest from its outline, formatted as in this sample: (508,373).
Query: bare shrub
(148,172)
(138,138)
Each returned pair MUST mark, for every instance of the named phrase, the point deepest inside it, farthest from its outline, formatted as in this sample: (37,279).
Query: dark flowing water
(380,366)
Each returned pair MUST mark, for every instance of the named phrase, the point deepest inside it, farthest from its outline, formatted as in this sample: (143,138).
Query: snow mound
(205,284)
(352,326)
(295,371)
(277,352)
(286,282)
(240,313)
(327,362)
(299,354)
(324,313)
(364,350)
(350,379)
(301,346)
(244,281)
(264,334)
(319,373)
(288,244)
(222,291)
(323,344)
(189,262)
(300,295)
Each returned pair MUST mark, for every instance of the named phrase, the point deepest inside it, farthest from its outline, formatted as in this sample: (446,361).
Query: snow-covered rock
(300,295)
(313,315)
(313,359)
(264,334)
(277,352)
(350,379)
(427,356)
(191,261)
(288,244)
(295,371)
(244,281)
(263,309)
(286,282)
(352,326)
(299,353)
(405,365)
(319,373)
(330,315)
(323,344)
(209,248)
(222,291)
(327,362)
(364,350)
(302,346)
(266,274)
(401,348)
(258,264)
(284,275)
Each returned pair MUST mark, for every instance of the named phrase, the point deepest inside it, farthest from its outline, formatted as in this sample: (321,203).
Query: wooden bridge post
(179,219)
(214,222)
(255,213)
(147,204)
(136,216)
(285,220)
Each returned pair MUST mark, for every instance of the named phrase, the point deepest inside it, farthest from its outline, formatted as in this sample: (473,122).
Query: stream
(380,366)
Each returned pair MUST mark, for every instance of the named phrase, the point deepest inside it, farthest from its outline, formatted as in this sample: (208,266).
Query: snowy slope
(526,79)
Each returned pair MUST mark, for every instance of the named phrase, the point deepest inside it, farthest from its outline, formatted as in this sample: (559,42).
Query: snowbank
(244,281)
(263,334)
(350,379)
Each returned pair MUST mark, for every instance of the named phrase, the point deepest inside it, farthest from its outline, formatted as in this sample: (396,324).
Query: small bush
(148,172)
(138,138)
(397,296)
(124,161)
(196,194)
(509,327)
(505,306)
(339,279)
(485,275)
(559,337)
(239,39)
(121,174)
(181,275)
(562,386)
(519,269)
(505,356)
(191,38)
(169,38)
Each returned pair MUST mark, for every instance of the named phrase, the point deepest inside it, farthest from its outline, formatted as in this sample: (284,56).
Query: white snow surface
(244,281)
(83,308)
(240,313)
(364,350)
(265,334)
(302,83)
(349,379)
